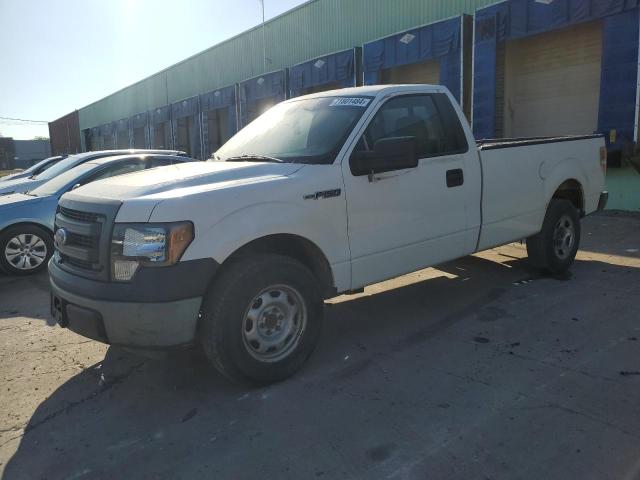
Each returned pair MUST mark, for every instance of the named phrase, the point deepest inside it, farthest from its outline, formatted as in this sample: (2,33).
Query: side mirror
(76,186)
(389,154)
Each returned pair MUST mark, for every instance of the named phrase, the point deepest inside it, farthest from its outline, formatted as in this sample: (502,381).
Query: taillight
(603,159)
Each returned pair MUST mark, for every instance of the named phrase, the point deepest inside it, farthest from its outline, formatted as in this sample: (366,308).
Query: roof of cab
(372,90)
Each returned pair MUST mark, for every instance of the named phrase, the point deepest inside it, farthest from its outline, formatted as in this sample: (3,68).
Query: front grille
(78,215)
(81,249)
(82,240)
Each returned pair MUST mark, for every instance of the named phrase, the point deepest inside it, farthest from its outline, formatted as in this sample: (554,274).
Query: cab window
(421,117)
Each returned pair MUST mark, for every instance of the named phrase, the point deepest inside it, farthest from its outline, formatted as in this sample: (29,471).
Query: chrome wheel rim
(25,251)
(273,323)
(564,237)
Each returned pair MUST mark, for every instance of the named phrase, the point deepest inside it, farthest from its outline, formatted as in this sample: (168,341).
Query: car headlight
(147,244)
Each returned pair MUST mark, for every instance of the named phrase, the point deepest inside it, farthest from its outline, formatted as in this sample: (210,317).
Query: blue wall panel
(619,75)
(270,87)
(187,108)
(440,40)
(515,19)
(220,98)
(336,67)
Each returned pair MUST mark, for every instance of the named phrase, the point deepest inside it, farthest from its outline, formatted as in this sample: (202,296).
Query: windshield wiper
(30,193)
(253,158)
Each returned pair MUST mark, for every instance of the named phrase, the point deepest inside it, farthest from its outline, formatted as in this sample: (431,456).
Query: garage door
(423,72)
(552,82)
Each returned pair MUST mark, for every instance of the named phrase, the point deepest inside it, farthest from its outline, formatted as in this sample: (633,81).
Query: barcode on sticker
(350,102)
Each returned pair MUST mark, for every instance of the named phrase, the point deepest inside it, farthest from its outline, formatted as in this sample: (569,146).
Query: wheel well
(297,247)
(571,190)
(31,224)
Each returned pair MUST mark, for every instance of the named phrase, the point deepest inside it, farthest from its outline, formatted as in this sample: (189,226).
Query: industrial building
(22,153)
(519,68)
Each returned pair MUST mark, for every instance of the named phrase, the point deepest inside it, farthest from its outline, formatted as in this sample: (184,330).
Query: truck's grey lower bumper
(129,324)
(602,202)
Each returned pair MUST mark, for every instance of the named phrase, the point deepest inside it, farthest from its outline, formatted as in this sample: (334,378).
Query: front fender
(320,222)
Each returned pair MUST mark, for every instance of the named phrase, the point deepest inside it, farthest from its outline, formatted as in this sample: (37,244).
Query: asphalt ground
(480,368)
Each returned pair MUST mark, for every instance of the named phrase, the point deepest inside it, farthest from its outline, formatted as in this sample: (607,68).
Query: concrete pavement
(480,368)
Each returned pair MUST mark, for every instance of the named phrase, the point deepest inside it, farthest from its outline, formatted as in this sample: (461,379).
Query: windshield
(58,168)
(42,165)
(52,187)
(304,131)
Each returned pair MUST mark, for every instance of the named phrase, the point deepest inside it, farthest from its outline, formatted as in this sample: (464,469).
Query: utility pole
(264,42)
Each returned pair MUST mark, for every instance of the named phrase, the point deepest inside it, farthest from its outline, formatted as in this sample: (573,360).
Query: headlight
(148,244)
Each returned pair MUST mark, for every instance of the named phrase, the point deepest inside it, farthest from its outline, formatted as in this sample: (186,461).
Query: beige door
(552,82)
(423,72)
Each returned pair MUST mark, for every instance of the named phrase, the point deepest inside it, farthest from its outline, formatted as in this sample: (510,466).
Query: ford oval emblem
(60,237)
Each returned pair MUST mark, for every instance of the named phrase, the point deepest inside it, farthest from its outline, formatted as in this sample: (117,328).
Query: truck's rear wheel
(554,248)
(261,319)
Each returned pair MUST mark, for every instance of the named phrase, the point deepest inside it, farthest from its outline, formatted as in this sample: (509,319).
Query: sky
(59,55)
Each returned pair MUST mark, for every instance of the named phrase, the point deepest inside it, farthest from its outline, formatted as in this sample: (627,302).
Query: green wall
(623,185)
(315,28)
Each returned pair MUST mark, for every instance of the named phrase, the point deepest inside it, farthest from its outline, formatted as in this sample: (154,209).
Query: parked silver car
(22,185)
(34,170)
(26,219)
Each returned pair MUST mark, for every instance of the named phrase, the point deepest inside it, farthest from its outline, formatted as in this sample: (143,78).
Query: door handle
(455,177)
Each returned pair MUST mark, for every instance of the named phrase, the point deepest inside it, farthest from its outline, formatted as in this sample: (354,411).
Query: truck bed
(520,175)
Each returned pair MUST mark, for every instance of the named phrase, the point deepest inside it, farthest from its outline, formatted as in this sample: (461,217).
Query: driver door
(404,220)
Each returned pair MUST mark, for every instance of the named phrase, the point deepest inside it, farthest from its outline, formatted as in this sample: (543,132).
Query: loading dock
(160,127)
(185,123)
(122,134)
(258,94)
(218,117)
(437,53)
(329,72)
(557,67)
(139,125)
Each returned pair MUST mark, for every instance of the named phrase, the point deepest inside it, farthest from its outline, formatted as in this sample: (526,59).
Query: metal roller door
(552,82)
(423,72)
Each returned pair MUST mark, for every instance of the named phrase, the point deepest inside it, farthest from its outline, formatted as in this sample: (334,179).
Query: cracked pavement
(479,368)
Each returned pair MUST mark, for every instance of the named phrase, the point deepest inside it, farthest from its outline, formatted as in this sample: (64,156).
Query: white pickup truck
(322,195)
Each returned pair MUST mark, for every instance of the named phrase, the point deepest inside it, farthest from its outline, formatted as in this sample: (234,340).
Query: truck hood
(175,180)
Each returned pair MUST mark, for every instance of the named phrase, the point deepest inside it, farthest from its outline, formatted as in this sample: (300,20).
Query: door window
(420,116)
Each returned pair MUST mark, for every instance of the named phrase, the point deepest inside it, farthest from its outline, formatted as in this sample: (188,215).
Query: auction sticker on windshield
(350,102)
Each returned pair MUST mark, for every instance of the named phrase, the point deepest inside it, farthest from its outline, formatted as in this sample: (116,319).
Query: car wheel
(261,319)
(25,249)
(554,248)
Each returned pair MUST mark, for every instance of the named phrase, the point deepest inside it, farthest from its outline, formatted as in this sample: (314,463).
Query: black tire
(551,249)
(40,251)
(226,312)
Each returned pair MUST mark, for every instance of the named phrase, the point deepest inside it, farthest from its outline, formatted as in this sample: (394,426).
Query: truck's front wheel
(261,318)
(554,248)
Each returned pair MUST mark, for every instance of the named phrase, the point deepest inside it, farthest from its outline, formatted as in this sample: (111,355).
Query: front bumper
(127,324)
(132,315)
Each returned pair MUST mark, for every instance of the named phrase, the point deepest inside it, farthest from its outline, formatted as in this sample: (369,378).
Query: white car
(322,195)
